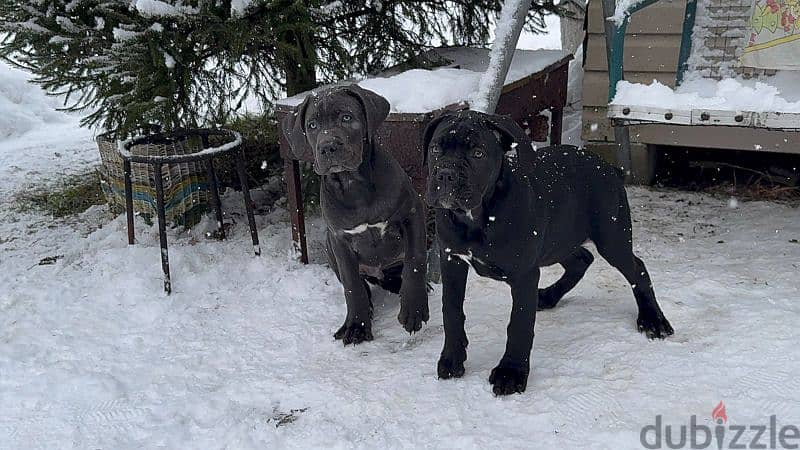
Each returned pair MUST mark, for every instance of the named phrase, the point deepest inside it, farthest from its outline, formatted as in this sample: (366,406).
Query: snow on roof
(774,94)
(420,90)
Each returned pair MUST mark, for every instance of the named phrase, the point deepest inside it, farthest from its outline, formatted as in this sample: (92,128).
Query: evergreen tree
(127,63)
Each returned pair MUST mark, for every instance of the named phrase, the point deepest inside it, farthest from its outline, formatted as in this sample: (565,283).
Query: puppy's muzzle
(332,157)
(446,178)
(329,149)
(442,188)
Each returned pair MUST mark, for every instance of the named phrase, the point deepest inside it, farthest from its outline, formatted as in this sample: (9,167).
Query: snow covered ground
(93,354)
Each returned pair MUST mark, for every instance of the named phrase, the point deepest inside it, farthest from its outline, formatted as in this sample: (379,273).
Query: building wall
(652,46)
(719,37)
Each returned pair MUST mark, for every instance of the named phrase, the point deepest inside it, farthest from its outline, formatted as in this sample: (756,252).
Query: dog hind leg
(651,320)
(575,266)
(614,241)
(392,279)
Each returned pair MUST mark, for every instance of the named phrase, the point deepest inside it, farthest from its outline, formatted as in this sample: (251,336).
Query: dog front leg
(357,325)
(454,284)
(511,375)
(413,290)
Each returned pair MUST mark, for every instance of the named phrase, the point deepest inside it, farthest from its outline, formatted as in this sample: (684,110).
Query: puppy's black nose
(445,176)
(330,147)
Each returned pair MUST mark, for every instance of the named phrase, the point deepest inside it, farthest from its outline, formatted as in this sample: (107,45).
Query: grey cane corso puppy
(507,214)
(375,219)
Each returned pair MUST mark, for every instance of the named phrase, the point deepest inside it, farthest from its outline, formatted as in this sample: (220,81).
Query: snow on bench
(423,91)
(772,102)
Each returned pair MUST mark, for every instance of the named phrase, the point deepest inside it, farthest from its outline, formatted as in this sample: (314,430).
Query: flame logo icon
(718,413)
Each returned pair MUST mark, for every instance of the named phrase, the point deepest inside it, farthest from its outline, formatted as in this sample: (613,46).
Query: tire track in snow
(775,392)
(92,422)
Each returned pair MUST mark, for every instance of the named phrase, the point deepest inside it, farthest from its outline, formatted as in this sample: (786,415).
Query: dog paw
(412,317)
(354,333)
(508,380)
(548,299)
(450,366)
(654,325)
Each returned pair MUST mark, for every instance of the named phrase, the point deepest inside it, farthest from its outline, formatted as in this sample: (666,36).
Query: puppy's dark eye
(477,153)
(312,124)
(347,118)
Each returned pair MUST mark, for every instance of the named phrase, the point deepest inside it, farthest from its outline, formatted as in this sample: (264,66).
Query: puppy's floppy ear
(508,131)
(376,108)
(294,128)
(430,129)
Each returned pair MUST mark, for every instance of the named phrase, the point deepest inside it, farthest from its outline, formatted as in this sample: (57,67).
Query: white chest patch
(380,226)
(468,258)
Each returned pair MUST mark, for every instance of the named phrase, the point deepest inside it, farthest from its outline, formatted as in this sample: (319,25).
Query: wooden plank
(595,84)
(643,53)
(782,120)
(597,128)
(664,17)
(637,114)
(743,119)
(705,117)
(596,125)
(724,138)
(646,114)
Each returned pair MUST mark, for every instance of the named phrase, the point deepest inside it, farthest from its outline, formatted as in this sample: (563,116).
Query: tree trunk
(509,26)
(297,54)
(572,25)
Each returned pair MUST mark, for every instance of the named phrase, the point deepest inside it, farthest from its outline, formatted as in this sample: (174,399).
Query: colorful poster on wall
(773,40)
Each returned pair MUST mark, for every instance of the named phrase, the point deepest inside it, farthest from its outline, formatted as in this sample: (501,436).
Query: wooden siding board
(664,17)
(720,137)
(643,53)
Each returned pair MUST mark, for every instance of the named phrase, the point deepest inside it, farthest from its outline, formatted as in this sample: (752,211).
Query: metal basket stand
(206,155)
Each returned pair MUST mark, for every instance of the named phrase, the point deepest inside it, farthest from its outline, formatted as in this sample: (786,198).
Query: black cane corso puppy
(375,219)
(507,214)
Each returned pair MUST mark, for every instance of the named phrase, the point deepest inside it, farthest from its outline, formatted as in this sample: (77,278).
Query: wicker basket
(185,184)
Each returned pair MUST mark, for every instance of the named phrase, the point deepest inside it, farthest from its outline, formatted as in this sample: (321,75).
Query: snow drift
(23,105)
